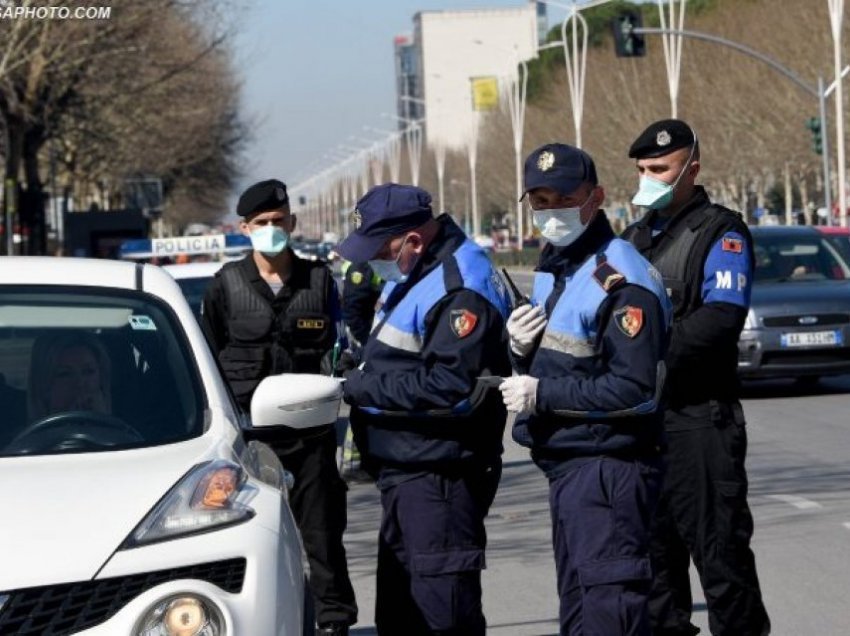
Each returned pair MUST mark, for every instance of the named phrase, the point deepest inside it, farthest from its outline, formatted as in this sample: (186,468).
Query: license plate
(811,339)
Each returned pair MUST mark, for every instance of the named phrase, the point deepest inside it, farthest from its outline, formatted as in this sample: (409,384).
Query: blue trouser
(601,511)
(431,553)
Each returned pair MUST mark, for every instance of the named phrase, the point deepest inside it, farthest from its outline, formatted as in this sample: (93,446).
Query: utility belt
(710,414)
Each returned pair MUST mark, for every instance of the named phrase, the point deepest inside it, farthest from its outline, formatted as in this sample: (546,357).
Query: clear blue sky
(314,72)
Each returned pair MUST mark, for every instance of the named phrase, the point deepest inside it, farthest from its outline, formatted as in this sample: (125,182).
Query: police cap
(262,197)
(560,167)
(385,211)
(661,138)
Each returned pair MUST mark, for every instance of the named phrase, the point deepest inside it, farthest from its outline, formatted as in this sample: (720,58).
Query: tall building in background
(448,49)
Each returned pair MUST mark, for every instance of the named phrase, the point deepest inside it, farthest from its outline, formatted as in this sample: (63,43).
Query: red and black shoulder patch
(608,278)
(462,322)
(629,320)
(731,244)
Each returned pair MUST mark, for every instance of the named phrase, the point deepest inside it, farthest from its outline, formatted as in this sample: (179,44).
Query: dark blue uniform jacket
(415,401)
(600,359)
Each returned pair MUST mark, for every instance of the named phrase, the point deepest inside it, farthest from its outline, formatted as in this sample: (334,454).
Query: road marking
(797,502)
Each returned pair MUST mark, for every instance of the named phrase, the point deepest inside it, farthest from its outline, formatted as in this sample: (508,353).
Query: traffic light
(814,124)
(627,43)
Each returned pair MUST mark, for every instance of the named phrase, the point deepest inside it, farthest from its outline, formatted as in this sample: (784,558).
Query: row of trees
(87,103)
(750,120)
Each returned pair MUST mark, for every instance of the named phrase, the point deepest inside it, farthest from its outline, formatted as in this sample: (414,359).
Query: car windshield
(89,370)
(797,259)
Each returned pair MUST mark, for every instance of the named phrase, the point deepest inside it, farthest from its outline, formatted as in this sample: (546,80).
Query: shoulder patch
(462,322)
(356,277)
(608,278)
(629,320)
(732,244)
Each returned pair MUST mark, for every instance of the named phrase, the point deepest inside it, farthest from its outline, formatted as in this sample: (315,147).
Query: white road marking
(798,502)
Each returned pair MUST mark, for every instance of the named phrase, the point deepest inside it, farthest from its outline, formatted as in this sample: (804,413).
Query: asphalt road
(799,494)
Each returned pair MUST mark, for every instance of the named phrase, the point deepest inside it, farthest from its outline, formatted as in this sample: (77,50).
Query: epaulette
(607,276)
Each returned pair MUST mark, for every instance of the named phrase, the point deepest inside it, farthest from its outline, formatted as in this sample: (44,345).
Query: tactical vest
(573,330)
(680,255)
(396,345)
(261,342)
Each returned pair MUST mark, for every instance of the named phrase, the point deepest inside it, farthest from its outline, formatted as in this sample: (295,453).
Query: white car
(133,504)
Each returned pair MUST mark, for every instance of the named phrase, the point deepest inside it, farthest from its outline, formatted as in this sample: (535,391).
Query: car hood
(801,297)
(64,515)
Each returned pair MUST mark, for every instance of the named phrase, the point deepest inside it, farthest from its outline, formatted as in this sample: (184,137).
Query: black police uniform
(256,333)
(434,448)
(704,252)
(360,291)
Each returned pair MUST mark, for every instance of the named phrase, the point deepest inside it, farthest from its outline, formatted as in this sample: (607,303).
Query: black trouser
(319,507)
(703,514)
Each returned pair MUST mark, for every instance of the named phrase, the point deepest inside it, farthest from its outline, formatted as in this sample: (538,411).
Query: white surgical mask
(269,239)
(560,226)
(390,270)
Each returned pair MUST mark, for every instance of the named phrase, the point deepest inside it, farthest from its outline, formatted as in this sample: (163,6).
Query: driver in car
(68,372)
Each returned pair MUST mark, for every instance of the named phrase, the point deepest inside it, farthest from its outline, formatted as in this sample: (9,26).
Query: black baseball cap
(560,167)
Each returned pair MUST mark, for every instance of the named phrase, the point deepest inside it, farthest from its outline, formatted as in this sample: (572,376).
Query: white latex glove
(525,324)
(519,393)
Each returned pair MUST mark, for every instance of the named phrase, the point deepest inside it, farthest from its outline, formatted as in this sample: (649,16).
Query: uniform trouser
(703,514)
(431,553)
(319,507)
(601,511)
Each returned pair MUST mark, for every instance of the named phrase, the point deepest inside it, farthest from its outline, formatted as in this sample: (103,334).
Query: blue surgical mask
(270,240)
(560,226)
(656,194)
(390,270)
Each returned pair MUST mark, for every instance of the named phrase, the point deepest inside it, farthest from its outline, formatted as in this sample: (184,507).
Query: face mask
(656,194)
(561,226)
(390,270)
(270,240)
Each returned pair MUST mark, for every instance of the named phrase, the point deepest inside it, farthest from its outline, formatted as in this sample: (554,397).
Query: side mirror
(296,400)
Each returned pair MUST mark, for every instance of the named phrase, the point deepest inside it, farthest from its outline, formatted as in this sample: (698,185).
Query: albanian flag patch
(462,321)
(629,320)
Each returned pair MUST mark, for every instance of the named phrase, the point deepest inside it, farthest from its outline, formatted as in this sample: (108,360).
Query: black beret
(661,138)
(262,197)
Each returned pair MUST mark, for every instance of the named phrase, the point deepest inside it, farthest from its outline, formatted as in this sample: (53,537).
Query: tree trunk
(32,204)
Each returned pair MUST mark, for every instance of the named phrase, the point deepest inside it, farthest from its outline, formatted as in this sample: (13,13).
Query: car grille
(794,321)
(830,356)
(54,610)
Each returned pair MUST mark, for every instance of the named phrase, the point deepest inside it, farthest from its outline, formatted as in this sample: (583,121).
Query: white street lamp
(836,18)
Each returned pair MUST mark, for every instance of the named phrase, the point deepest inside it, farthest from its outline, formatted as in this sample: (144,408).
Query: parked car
(134,502)
(193,279)
(799,322)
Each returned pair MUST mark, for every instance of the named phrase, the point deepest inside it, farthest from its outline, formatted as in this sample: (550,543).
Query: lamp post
(836,18)
(516,95)
(413,137)
(466,226)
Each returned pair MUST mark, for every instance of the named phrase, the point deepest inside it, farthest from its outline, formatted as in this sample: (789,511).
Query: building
(435,66)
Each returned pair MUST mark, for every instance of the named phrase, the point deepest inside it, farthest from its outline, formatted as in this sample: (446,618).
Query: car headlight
(751,322)
(211,495)
(184,615)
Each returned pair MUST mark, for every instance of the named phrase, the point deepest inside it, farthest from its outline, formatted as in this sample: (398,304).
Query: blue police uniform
(596,430)
(431,435)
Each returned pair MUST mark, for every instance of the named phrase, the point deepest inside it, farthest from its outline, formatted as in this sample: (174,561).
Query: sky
(315,72)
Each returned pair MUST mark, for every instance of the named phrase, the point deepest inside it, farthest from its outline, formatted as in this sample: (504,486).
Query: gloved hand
(525,324)
(519,393)
(347,361)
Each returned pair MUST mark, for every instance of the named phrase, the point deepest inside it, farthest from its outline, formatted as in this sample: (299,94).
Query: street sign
(485,93)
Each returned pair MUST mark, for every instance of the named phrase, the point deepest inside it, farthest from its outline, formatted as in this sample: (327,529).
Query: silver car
(799,321)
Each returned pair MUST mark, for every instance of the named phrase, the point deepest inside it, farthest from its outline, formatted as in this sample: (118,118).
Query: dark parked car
(799,321)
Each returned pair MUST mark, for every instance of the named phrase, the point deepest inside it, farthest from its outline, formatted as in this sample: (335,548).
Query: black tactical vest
(263,341)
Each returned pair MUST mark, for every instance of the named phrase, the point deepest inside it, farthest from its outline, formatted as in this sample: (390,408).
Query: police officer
(589,351)
(361,288)
(705,254)
(273,312)
(428,430)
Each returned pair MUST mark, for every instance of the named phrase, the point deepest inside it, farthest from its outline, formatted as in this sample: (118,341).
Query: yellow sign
(485,93)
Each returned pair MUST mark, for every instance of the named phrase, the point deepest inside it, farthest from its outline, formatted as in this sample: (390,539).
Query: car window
(789,259)
(194,289)
(88,370)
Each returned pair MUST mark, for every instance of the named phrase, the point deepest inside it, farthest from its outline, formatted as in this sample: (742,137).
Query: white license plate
(811,339)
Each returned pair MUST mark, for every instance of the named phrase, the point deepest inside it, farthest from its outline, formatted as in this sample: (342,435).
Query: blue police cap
(385,211)
(560,167)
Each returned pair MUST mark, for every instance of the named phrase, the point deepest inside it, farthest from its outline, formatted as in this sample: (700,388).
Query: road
(799,494)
